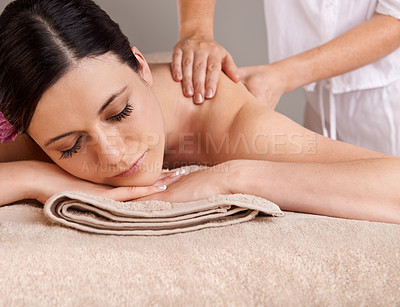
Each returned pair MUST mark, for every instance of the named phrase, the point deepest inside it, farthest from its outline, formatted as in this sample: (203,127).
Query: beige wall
(152,26)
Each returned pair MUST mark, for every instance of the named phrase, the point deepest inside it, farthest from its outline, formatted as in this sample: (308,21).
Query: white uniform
(361,107)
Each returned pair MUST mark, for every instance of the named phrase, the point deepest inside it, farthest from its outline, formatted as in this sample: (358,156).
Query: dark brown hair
(40,40)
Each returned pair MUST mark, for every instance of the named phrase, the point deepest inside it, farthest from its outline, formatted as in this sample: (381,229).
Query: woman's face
(101,122)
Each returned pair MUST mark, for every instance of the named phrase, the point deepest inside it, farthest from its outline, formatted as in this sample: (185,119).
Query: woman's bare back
(235,125)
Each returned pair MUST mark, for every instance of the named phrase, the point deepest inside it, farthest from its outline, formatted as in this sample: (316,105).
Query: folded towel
(105,216)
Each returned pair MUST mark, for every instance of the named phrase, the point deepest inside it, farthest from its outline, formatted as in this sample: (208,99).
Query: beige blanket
(298,260)
(105,216)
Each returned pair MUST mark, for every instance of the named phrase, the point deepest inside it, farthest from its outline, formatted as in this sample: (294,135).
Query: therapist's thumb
(230,68)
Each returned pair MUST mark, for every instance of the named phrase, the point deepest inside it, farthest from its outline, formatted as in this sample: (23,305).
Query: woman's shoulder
(230,99)
(236,93)
(217,113)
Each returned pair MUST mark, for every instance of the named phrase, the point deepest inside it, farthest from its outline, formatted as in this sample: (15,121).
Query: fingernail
(189,91)
(177,173)
(199,98)
(178,76)
(162,187)
(209,93)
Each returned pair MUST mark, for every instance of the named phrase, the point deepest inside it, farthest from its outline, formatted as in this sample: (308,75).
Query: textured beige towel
(105,216)
(298,260)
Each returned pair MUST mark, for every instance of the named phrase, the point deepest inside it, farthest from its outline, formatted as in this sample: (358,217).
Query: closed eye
(124,114)
(68,153)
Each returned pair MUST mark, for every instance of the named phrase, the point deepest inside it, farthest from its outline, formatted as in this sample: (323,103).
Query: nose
(111,147)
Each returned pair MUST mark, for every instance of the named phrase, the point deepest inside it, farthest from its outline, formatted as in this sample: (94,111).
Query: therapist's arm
(362,45)
(197,59)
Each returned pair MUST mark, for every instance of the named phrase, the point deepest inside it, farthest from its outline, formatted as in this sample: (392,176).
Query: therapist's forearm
(196,17)
(365,189)
(362,45)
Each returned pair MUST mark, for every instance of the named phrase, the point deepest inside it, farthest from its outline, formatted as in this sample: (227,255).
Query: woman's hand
(266,82)
(198,185)
(54,180)
(197,62)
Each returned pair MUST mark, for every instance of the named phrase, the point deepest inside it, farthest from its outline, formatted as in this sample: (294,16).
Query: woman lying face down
(95,116)
(102,122)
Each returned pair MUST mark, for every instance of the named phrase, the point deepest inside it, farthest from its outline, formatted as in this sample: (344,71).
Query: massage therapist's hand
(52,180)
(198,185)
(266,82)
(197,62)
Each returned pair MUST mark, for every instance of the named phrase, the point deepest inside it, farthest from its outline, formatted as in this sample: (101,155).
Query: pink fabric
(7,131)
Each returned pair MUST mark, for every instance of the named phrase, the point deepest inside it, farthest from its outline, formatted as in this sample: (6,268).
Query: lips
(133,169)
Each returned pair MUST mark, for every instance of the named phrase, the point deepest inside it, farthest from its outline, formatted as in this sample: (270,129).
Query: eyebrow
(111,99)
(105,105)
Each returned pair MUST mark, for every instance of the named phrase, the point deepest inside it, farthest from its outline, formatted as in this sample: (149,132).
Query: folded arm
(41,180)
(26,172)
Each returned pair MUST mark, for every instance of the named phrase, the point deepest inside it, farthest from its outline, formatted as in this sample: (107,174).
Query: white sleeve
(389,7)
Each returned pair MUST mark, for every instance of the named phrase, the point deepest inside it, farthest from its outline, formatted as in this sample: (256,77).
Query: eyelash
(126,112)
(68,153)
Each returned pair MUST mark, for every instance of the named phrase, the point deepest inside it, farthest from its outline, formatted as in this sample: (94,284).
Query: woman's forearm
(17,181)
(366,189)
(40,180)
(362,45)
(196,18)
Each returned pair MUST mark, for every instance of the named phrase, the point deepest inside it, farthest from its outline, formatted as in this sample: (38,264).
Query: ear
(144,69)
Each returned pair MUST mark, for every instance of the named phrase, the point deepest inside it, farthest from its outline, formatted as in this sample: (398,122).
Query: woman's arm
(365,189)
(304,171)
(197,59)
(362,45)
(17,180)
(40,180)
